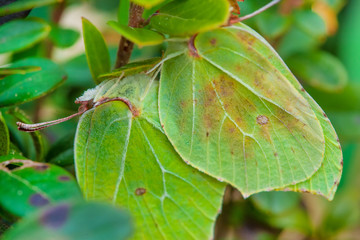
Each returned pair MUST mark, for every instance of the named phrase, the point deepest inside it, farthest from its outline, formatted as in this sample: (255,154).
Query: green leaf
(73,221)
(21,88)
(63,37)
(272,24)
(140,36)
(123,12)
(4,137)
(148,3)
(325,181)
(18,70)
(276,202)
(21,34)
(31,144)
(62,151)
(320,70)
(132,68)
(348,48)
(124,157)
(346,124)
(97,53)
(32,185)
(311,23)
(296,41)
(18,6)
(78,72)
(237,113)
(188,17)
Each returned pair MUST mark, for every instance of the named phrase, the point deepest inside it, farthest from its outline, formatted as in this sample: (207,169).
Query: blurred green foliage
(318,39)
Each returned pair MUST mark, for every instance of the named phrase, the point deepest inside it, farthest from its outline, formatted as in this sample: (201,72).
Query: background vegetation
(318,39)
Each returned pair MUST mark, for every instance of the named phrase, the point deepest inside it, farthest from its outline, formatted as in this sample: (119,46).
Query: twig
(125,45)
(260,10)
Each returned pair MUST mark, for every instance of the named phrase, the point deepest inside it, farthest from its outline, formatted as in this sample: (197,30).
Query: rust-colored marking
(140,191)
(262,119)
(213,41)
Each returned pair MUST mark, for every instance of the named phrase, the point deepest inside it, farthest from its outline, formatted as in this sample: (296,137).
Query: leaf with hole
(97,53)
(240,115)
(122,156)
(27,186)
(21,88)
(21,34)
(140,36)
(195,16)
(73,221)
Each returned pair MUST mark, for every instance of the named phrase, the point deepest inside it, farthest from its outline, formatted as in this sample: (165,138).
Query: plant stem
(260,10)
(125,45)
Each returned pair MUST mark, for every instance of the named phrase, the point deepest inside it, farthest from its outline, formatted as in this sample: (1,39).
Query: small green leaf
(132,68)
(18,6)
(296,41)
(132,144)
(348,48)
(20,34)
(97,53)
(4,137)
(148,3)
(73,221)
(63,37)
(276,202)
(31,144)
(27,186)
(78,72)
(194,17)
(311,23)
(21,88)
(346,124)
(18,70)
(272,24)
(320,70)
(14,153)
(140,36)
(123,12)
(62,151)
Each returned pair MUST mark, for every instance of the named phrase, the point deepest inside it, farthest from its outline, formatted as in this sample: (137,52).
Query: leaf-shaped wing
(129,161)
(233,114)
(325,181)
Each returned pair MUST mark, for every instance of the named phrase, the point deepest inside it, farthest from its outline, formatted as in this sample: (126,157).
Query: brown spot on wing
(140,191)
(262,119)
